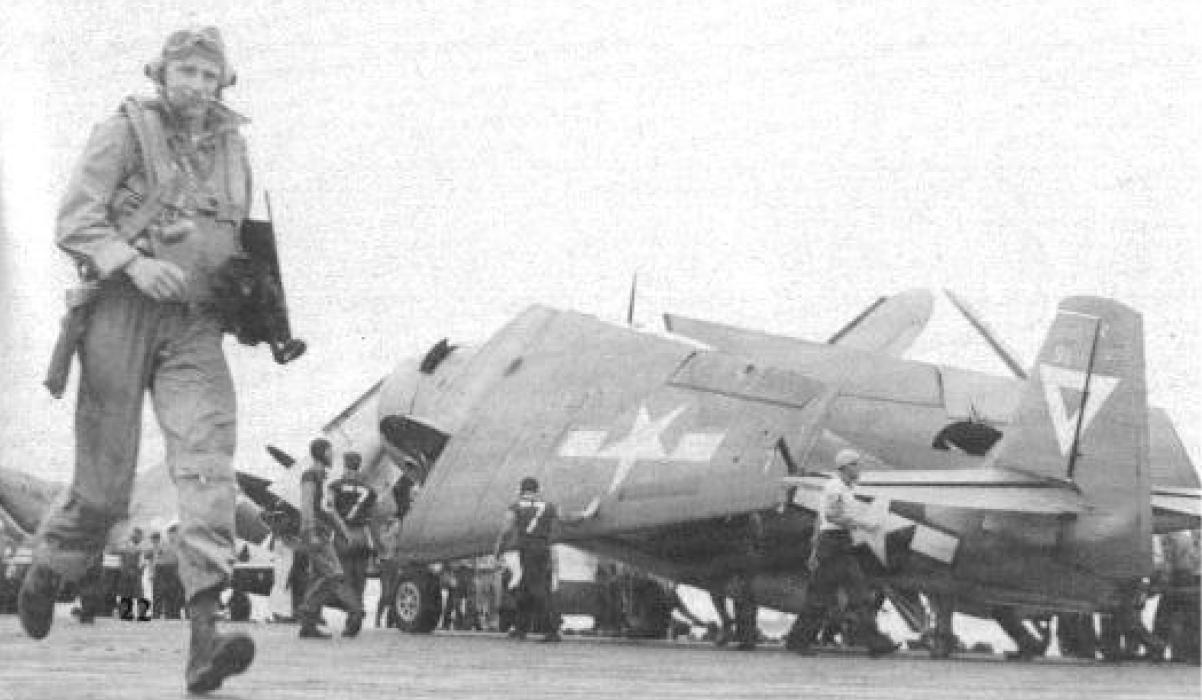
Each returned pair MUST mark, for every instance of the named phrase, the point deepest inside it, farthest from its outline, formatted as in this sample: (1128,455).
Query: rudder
(1083,418)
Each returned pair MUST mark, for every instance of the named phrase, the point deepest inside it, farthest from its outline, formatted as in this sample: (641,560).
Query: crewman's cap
(205,41)
(529,485)
(846,458)
(352,460)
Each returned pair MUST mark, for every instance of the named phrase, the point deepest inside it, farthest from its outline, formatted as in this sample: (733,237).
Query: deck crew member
(834,565)
(529,526)
(354,503)
(326,582)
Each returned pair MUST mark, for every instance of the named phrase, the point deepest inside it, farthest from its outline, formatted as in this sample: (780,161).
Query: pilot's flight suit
(134,344)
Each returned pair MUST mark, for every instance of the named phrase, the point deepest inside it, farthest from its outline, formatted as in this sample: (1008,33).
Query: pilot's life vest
(198,226)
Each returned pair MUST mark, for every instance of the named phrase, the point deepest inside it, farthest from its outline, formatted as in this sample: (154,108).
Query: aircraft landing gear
(418,602)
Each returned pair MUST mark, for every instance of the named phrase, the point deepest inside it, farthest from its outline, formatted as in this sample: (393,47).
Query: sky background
(435,167)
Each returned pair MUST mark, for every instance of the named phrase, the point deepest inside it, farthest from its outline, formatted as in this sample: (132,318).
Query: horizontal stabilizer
(1169,460)
(977,489)
(1181,502)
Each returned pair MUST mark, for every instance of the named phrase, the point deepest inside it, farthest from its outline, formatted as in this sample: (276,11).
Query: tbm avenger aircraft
(707,450)
(688,444)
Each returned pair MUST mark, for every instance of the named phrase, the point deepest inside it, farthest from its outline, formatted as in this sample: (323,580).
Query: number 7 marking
(360,498)
(540,507)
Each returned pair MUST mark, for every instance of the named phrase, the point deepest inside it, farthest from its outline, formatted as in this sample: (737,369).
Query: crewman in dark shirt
(355,504)
(529,526)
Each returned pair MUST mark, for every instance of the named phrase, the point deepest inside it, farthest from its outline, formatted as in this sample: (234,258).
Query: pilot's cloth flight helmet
(205,41)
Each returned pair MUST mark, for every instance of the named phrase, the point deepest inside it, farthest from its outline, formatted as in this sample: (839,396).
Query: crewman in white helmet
(833,565)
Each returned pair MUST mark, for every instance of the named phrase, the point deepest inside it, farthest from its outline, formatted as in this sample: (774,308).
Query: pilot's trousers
(134,344)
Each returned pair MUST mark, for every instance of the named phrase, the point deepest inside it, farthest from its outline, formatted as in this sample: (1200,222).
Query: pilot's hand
(160,280)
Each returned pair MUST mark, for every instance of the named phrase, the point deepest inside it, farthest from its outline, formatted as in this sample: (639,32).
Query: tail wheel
(418,602)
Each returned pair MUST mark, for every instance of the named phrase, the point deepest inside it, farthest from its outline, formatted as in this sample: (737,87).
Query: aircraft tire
(418,602)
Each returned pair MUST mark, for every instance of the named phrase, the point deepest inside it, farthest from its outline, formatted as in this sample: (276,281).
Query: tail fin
(1083,418)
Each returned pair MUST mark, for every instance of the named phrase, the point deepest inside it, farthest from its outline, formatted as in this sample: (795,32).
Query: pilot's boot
(213,657)
(35,602)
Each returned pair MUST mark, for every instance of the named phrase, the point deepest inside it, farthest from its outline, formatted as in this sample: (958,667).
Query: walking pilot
(150,216)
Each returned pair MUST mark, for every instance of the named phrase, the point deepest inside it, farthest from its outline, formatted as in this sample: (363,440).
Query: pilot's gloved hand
(160,280)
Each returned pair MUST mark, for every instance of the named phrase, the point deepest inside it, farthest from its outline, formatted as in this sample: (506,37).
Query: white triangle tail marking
(1055,379)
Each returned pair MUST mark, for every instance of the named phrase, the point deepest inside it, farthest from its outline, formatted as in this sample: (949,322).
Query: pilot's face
(191,81)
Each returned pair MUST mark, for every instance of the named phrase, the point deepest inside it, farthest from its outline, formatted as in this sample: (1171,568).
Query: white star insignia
(643,442)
